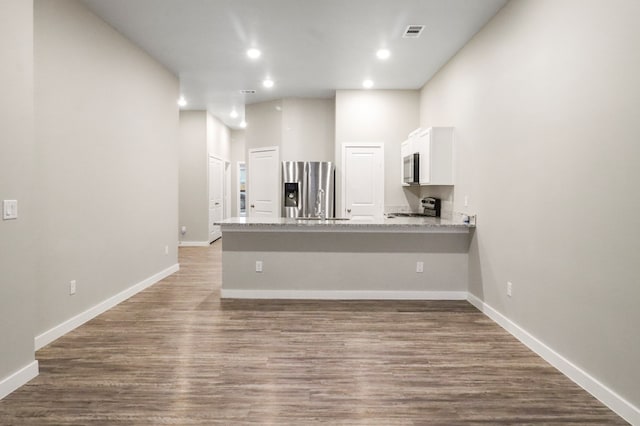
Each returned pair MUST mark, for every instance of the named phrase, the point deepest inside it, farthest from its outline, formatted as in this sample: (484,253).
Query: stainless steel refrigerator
(308,189)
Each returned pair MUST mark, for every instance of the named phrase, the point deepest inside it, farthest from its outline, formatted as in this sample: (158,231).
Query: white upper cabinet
(435,146)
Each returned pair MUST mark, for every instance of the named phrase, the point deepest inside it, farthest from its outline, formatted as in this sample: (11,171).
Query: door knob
(348,210)
(252,206)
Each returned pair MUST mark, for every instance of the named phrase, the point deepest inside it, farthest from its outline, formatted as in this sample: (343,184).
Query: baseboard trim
(608,397)
(194,244)
(342,294)
(61,329)
(18,378)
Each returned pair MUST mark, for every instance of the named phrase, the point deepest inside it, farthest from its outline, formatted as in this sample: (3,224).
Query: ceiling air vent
(413,31)
(248,92)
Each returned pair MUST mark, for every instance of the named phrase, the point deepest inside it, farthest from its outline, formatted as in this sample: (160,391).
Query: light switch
(10,209)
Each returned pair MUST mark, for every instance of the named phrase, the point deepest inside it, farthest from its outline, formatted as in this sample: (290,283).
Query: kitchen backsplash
(446,206)
(415,193)
(399,209)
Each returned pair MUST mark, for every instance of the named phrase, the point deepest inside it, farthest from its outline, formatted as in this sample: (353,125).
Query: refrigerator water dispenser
(291,194)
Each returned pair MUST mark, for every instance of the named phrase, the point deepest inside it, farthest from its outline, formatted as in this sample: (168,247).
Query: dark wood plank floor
(176,354)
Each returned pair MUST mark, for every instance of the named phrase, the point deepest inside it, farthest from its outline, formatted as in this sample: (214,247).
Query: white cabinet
(405,149)
(435,146)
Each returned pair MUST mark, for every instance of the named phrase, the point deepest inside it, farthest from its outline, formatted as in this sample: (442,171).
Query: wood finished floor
(176,354)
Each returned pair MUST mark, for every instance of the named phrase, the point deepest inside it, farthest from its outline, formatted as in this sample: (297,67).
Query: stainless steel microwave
(411,169)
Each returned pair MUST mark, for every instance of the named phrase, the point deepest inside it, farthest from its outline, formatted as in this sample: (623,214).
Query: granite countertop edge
(408,223)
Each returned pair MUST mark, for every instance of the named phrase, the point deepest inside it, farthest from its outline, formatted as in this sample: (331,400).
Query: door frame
(343,183)
(227,190)
(222,169)
(239,166)
(276,151)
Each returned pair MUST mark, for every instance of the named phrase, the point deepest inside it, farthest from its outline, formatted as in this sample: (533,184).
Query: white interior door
(363,181)
(216,197)
(263,180)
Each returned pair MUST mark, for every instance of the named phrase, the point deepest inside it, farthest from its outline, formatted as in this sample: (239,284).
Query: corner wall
(107,162)
(545,101)
(17,238)
(194,204)
(308,129)
(201,136)
(303,128)
(218,138)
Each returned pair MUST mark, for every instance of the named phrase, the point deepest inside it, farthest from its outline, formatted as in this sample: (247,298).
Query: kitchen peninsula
(390,258)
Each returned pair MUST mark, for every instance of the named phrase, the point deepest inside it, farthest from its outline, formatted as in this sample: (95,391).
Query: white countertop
(396,224)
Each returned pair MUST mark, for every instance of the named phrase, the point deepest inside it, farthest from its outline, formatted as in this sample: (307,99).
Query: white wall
(17,239)
(264,124)
(545,101)
(308,129)
(201,136)
(218,138)
(107,161)
(303,128)
(362,263)
(194,204)
(386,116)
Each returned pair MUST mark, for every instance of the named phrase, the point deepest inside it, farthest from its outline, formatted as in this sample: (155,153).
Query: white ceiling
(309,48)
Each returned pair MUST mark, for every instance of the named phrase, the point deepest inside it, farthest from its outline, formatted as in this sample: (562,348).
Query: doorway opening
(242,189)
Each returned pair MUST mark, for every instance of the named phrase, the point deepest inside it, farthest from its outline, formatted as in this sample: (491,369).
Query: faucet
(320,211)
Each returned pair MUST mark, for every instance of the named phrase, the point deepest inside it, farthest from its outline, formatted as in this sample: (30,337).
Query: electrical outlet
(258,265)
(419,267)
(466,201)
(509,288)
(72,287)
(183,230)
(9,209)
(166,249)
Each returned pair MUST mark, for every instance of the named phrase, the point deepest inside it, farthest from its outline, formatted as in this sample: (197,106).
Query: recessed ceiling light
(383,54)
(253,53)
(367,84)
(182,102)
(268,83)
(243,124)
(234,114)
